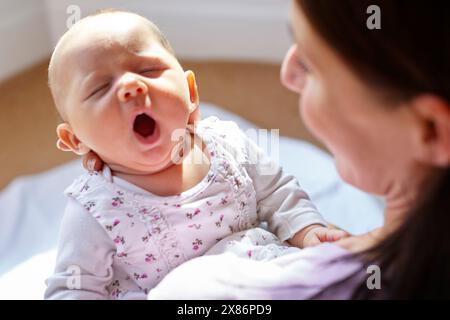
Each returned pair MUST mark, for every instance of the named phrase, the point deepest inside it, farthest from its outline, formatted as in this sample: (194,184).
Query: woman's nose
(292,76)
(131,88)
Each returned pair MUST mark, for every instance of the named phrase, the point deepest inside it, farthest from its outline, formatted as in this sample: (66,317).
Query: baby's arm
(84,260)
(285,205)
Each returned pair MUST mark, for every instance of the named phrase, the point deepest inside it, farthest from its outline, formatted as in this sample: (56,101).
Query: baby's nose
(131,89)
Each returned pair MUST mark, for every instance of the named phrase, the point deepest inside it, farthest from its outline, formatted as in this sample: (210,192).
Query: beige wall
(24,34)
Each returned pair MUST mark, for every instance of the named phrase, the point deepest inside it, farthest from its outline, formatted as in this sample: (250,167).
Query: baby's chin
(141,169)
(151,162)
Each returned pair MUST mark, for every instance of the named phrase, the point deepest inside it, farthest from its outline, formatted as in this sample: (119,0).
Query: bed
(32,207)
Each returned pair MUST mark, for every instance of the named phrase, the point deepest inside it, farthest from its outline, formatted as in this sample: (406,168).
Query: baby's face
(124,93)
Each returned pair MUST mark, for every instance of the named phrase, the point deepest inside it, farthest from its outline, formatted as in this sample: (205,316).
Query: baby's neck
(176,178)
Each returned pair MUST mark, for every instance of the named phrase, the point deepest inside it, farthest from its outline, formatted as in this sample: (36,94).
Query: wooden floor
(28,118)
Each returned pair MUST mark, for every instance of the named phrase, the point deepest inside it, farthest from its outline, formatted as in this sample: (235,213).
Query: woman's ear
(67,141)
(193,96)
(433,113)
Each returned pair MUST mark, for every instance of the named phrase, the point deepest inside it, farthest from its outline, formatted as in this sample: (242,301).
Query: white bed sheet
(32,206)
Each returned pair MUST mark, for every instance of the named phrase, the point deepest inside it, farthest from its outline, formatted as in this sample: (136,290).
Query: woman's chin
(364,180)
(346,173)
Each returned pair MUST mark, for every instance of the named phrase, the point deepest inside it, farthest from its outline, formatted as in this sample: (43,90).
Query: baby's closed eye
(98,90)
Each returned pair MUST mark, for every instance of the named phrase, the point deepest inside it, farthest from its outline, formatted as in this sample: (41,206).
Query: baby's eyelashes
(98,90)
(151,72)
(148,70)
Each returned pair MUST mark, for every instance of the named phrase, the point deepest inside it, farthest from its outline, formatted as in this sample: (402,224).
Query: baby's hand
(320,234)
(92,162)
(316,234)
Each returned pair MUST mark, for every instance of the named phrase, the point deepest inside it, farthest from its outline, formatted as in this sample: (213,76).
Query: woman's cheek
(312,112)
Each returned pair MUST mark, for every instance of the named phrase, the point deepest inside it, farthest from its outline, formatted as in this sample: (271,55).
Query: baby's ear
(193,91)
(62,146)
(194,98)
(194,116)
(67,141)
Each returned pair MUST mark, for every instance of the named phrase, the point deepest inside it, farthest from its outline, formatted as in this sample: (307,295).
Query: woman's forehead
(307,40)
(312,46)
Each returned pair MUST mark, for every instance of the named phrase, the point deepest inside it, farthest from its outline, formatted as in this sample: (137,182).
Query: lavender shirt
(301,274)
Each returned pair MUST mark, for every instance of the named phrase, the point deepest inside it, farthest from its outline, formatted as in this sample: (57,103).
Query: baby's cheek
(106,135)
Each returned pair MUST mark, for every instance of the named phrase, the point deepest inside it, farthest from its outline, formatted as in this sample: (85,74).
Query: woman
(380,101)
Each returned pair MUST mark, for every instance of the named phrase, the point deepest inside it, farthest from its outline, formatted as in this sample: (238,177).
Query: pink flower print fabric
(152,235)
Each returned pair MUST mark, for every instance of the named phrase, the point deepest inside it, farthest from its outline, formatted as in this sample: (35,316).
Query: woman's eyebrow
(301,50)
(290,31)
(292,35)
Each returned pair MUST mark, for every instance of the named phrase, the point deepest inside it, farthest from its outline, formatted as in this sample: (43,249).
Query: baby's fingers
(92,162)
(334,235)
(311,240)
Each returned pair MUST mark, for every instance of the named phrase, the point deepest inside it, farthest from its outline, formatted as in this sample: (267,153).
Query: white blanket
(31,209)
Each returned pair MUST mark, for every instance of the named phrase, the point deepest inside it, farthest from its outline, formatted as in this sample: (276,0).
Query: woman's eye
(302,66)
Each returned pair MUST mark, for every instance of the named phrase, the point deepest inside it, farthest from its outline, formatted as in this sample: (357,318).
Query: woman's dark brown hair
(408,56)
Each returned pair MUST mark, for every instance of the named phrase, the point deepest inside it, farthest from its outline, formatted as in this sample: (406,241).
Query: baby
(171,187)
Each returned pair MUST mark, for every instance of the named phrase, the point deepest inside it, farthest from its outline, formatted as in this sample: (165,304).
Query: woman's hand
(92,162)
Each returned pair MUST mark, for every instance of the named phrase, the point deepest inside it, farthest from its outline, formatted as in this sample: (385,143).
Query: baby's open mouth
(144,125)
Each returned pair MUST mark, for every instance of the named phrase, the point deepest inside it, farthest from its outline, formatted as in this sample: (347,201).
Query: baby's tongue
(144,125)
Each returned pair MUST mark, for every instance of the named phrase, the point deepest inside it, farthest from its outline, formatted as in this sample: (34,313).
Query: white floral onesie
(118,240)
